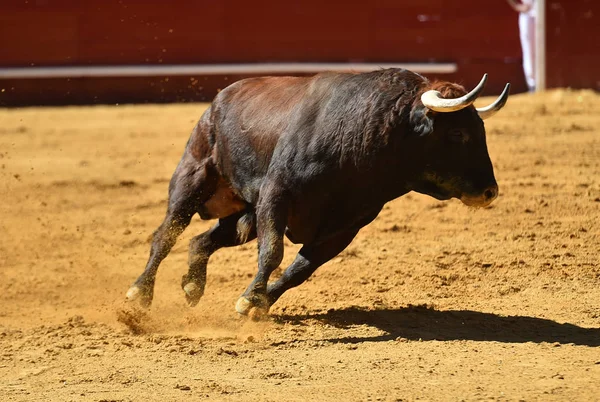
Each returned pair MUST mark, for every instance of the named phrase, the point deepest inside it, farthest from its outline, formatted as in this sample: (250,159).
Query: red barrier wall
(478,36)
(573,43)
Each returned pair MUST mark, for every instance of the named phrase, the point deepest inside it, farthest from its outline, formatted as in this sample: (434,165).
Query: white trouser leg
(527,34)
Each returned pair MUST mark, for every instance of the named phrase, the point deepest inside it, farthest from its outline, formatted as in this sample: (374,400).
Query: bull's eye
(458,136)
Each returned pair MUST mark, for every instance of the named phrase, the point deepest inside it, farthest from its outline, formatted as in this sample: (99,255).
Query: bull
(315,159)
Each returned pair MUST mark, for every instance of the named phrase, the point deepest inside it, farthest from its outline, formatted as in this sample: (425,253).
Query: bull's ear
(421,119)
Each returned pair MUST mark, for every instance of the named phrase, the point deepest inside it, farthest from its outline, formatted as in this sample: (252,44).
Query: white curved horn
(433,99)
(489,111)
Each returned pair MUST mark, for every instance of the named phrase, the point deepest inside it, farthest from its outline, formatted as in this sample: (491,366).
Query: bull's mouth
(441,195)
(444,189)
(436,190)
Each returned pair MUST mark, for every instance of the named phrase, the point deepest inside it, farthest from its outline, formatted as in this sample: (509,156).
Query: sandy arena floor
(432,301)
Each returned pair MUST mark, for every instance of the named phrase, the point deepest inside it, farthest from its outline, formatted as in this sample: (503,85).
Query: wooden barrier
(573,44)
(476,37)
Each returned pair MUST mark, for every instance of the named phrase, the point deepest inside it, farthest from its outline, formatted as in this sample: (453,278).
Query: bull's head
(456,163)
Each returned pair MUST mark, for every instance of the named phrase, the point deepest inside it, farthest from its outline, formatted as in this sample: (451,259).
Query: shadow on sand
(417,322)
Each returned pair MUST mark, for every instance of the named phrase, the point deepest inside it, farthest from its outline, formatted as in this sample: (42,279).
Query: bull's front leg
(271,222)
(314,254)
(309,258)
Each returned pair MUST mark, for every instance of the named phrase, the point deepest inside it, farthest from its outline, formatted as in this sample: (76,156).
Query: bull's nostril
(489,194)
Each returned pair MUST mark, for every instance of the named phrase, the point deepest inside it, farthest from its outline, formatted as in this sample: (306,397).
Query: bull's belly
(312,222)
(300,231)
(308,230)
(319,221)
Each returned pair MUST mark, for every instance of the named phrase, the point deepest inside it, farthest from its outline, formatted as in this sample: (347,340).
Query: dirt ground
(432,301)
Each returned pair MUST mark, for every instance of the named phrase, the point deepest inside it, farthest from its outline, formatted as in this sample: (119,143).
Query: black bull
(315,159)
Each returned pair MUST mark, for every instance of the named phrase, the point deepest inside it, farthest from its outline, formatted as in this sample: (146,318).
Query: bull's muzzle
(482,200)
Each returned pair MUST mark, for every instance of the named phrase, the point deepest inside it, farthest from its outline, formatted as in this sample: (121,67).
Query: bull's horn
(491,110)
(433,99)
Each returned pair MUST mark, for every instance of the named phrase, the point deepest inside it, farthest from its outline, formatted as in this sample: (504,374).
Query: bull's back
(249,118)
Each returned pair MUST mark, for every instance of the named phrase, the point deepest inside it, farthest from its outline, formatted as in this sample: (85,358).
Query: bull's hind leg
(163,240)
(190,186)
(231,231)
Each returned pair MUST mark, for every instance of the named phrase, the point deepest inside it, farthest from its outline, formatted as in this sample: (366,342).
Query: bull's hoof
(255,310)
(243,306)
(136,294)
(193,293)
(193,288)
